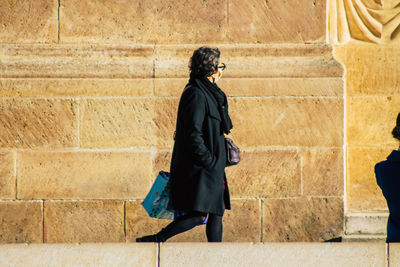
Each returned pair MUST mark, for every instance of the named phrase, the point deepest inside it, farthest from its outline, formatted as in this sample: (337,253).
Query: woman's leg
(214,228)
(180,225)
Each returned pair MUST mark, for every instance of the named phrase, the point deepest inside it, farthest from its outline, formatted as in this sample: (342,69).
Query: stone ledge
(163,61)
(366,224)
(192,254)
(79,255)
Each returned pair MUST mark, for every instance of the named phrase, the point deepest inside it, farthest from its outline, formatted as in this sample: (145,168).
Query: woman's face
(217,75)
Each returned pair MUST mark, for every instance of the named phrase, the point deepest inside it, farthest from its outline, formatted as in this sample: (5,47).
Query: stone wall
(88,100)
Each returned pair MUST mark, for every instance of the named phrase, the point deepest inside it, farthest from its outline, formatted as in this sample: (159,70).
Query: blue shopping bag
(157,199)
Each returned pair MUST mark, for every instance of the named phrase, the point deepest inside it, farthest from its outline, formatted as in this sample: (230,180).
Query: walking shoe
(147,238)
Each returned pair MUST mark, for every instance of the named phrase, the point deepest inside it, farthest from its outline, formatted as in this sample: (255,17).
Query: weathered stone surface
(161,162)
(370,120)
(21,222)
(166,110)
(274,254)
(76,61)
(266,174)
(102,255)
(254,61)
(323,172)
(394,254)
(259,86)
(117,123)
(366,224)
(282,86)
(363,193)
(28,21)
(169,86)
(31,123)
(364,238)
(83,221)
(305,219)
(7,175)
(83,175)
(366,76)
(276,21)
(139,223)
(143,22)
(75,87)
(243,222)
(287,121)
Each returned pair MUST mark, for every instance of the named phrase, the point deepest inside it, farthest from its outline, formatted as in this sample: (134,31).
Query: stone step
(201,254)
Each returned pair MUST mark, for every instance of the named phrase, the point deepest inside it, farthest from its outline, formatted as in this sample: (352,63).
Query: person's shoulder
(192,91)
(386,167)
(381,165)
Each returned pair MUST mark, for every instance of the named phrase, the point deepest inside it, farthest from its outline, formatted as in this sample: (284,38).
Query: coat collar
(201,86)
(394,156)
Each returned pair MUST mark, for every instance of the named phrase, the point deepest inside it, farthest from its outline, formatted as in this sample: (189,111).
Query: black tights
(189,221)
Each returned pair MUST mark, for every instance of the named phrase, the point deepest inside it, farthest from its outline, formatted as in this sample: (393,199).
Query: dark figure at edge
(388,178)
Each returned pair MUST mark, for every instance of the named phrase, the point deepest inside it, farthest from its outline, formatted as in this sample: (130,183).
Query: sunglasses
(222,66)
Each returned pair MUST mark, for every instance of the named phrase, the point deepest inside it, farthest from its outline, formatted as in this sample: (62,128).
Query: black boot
(147,238)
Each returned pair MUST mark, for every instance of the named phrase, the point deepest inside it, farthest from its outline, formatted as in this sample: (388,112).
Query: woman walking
(388,178)
(197,181)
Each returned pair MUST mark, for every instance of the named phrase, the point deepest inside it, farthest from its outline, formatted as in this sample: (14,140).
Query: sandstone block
(21,222)
(139,223)
(75,87)
(282,86)
(370,120)
(32,123)
(102,255)
(166,110)
(274,21)
(287,121)
(366,76)
(259,86)
(83,175)
(254,61)
(273,254)
(161,162)
(305,219)
(143,22)
(7,175)
(117,123)
(243,222)
(323,172)
(83,221)
(169,87)
(29,21)
(363,193)
(394,254)
(265,174)
(278,60)
(76,61)
(366,224)
(364,238)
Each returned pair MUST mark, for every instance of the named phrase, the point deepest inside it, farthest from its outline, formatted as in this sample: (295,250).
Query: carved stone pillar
(365,38)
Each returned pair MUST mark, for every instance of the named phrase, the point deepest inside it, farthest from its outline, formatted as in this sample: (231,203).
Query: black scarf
(220,98)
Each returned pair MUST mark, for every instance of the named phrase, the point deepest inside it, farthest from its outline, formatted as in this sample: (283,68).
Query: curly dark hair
(204,61)
(396,130)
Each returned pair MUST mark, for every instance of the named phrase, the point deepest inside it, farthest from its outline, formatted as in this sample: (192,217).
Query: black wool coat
(197,180)
(388,178)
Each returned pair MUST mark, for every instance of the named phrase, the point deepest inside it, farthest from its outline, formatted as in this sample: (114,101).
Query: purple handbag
(232,152)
